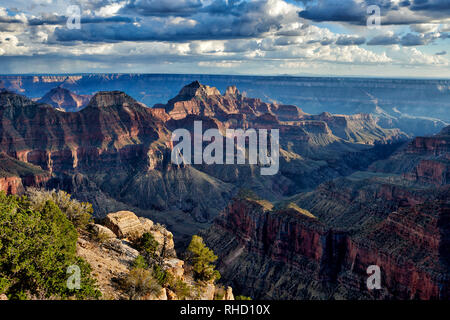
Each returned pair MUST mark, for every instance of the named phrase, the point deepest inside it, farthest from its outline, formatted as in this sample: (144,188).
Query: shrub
(181,289)
(163,277)
(242,298)
(147,245)
(79,213)
(140,263)
(139,282)
(36,248)
(201,257)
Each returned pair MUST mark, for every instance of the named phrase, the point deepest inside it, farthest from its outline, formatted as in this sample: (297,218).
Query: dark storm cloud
(355,12)
(430,5)
(333,10)
(251,20)
(162,7)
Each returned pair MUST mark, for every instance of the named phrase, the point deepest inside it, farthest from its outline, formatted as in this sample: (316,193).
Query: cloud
(10,45)
(253,19)
(407,40)
(162,7)
(350,40)
(211,34)
(334,10)
(384,40)
(413,56)
(393,12)
(425,27)
(54,19)
(219,64)
(430,5)
(441,53)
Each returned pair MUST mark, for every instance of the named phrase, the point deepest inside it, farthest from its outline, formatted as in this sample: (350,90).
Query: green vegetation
(140,263)
(242,298)
(140,282)
(147,245)
(201,258)
(37,247)
(79,213)
(181,289)
(163,277)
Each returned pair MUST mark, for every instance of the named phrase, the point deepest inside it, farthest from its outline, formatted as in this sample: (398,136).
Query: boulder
(3,297)
(175,267)
(125,224)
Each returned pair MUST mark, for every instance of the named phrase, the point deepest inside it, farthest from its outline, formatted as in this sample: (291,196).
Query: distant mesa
(195,89)
(65,100)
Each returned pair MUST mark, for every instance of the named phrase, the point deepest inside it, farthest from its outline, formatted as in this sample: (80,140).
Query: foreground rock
(102,232)
(112,256)
(124,224)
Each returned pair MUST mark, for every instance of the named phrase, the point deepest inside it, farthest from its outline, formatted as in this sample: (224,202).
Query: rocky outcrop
(63,99)
(16,175)
(111,260)
(431,172)
(124,224)
(288,254)
(102,232)
(11,185)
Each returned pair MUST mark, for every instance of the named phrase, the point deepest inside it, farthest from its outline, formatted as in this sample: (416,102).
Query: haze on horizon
(253,37)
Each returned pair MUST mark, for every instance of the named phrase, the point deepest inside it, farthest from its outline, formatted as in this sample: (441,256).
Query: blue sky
(261,37)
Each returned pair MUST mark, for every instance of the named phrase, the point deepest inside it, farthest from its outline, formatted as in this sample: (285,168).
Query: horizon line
(227,75)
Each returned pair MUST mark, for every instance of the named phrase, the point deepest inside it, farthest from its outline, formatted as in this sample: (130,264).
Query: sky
(368,38)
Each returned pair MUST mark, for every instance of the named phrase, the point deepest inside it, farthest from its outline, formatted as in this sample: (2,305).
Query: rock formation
(124,224)
(395,216)
(63,99)
(111,258)
(115,153)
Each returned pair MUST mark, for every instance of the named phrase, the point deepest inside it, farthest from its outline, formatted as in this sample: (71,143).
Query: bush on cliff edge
(36,249)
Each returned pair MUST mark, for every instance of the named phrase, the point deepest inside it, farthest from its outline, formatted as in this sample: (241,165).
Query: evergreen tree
(201,258)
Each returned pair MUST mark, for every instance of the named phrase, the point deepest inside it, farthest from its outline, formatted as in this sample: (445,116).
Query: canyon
(319,244)
(352,190)
(417,107)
